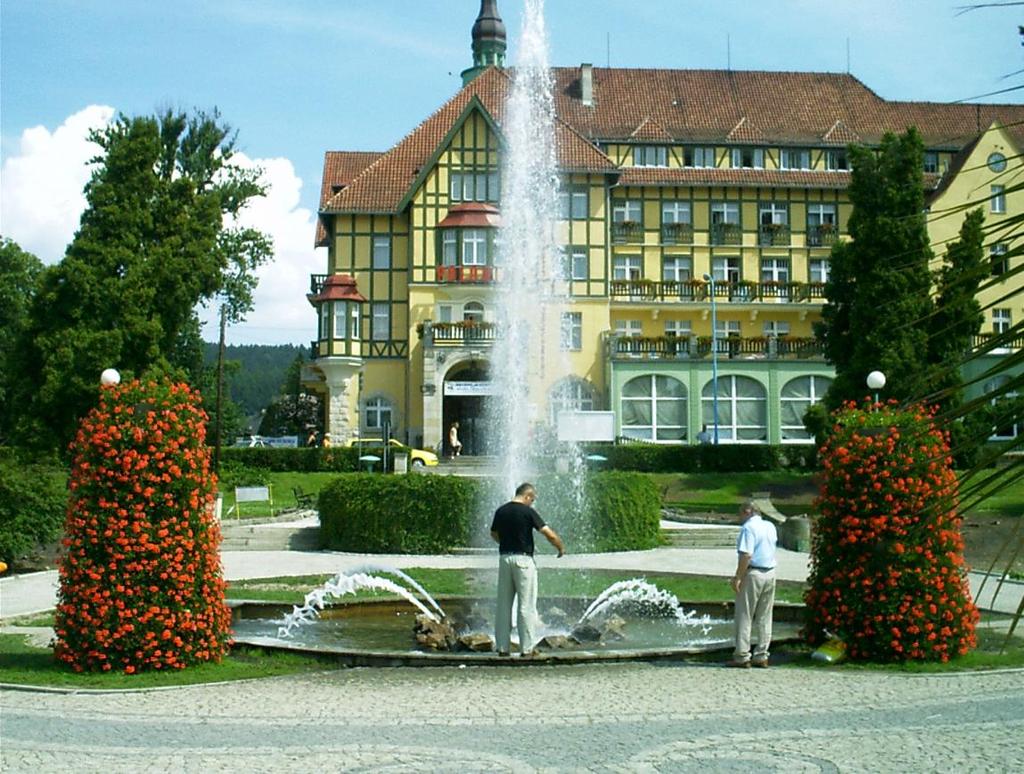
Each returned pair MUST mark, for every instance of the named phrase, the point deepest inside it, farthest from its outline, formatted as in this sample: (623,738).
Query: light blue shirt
(758,538)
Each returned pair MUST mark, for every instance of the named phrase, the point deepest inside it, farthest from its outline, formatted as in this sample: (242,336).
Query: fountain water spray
(351,582)
(639,593)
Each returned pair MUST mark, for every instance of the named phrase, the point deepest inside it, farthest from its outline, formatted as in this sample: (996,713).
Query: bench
(251,494)
(304,500)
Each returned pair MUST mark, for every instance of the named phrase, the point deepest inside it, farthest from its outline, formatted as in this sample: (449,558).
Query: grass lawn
(281,485)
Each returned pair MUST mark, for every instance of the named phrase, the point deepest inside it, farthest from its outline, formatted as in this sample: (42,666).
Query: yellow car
(417,457)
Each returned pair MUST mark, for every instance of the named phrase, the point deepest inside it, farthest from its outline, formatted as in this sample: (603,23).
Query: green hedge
(619,511)
(411,514)
(723,458)
(310,460)
(33,500)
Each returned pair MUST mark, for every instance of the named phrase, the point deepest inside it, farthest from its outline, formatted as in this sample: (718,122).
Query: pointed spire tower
(488,41)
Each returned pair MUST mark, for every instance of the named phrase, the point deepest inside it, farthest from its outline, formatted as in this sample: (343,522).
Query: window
(654,408)
(725,212)
(473,312)
(444,313)
(817,270)
(570,395)
(475,187)
(325,321)
(353,322)
(797,396)
(726,328)
(632,328)
(773,220)
(676,269)
(998,258)
(821,224)
(573,203)
(931,162)
(377,413)
(474,247)
(572,331)
(627,211)
(1009,424)
(775,270)
(449,247)
(340,309)
(1001,320)
(725,223)
(727,271)
(674,211)
(679,328)
(626,267)
(380,329)
(774,329)
(700,157)
(748,158)
(742,408)
(575,262)
(772,213)
(835,160)
(650,156)
(998,199)
(381,252)
(794,158)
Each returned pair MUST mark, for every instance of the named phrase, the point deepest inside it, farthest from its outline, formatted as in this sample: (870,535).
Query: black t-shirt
(514,522)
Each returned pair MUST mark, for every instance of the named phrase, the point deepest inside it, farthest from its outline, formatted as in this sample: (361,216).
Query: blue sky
(300,77)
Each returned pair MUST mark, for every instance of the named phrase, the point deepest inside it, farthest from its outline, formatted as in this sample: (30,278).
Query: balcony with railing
(460,333)
(698,347)
(822,235)
(677,234)
(675,291)
(465,274)
(316,283)
(773,235)
(997,343)
(627,232)
(726,234)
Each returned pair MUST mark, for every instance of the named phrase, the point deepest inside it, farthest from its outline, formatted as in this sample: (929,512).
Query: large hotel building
(666,176)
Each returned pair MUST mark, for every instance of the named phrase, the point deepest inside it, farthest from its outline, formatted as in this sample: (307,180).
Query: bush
(623,511)
(304,459)
(723,458)
(368,512)
(140,584)
(33,498)
(887,568)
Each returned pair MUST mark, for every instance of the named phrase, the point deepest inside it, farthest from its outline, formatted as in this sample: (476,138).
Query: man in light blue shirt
(754,584)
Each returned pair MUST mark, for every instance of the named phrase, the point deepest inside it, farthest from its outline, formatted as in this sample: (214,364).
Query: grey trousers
(517,577)
(754,603)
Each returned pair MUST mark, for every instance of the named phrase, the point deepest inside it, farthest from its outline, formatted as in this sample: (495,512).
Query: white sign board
(469,388)
(586,426)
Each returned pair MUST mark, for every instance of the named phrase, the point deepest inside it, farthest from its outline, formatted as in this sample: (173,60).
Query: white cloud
(41,203)
(41,199)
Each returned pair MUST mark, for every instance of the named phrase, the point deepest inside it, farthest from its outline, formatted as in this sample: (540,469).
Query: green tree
(878,301)
(152,244)
(19,275)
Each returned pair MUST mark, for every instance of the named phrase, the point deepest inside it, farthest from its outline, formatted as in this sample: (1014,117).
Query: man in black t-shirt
(512,529)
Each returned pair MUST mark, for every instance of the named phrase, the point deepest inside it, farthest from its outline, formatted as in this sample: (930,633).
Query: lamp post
(110,377)
(876,381)
(714,355)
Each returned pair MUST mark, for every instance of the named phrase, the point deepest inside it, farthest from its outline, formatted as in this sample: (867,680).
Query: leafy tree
(152,244)
(294,412)
(878,300)
(19,275)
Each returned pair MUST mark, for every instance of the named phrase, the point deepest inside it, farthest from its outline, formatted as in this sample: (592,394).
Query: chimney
(587,84)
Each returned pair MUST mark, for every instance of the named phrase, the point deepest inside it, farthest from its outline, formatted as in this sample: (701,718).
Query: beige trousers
(517,577)
(754,603)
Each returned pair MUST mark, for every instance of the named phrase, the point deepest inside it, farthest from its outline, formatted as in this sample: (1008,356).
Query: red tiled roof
(707,106)
(767,178)
(339,169)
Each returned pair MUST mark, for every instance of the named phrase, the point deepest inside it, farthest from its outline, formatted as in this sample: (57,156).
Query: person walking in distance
(453,440)
(512,529)
(754,584)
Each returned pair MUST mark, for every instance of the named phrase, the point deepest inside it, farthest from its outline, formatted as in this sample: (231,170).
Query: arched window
(797,396)
(473,311)
(377,413)
(570,395)
(654,408)
(742,409)
(1006,428)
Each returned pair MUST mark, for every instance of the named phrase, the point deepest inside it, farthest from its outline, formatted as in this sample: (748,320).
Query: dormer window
(650,156)
(931,162)
(473,186)
(794,158)
(836,161)
(748,158)
(699,157)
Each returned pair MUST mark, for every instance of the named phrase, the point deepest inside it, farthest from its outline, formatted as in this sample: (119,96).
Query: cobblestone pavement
(602,718)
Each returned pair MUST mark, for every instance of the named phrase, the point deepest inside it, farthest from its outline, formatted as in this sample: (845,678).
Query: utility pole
(220,391)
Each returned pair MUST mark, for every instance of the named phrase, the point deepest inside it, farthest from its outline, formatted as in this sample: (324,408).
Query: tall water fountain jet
(532,294)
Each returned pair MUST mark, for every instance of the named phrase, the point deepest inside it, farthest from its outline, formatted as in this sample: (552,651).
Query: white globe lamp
(110,377)
(876,381)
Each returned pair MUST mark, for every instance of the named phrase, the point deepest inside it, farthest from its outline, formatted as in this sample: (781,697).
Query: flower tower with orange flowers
(141,585)
(887,568)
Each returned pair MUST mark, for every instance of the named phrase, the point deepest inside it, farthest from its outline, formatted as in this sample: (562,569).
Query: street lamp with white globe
(876,381)
(110,377)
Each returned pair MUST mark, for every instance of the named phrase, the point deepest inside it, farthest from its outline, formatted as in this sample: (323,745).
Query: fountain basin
(380,633)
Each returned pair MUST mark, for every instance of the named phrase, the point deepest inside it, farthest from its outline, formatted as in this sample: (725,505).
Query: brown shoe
(738,664)
(760,663)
